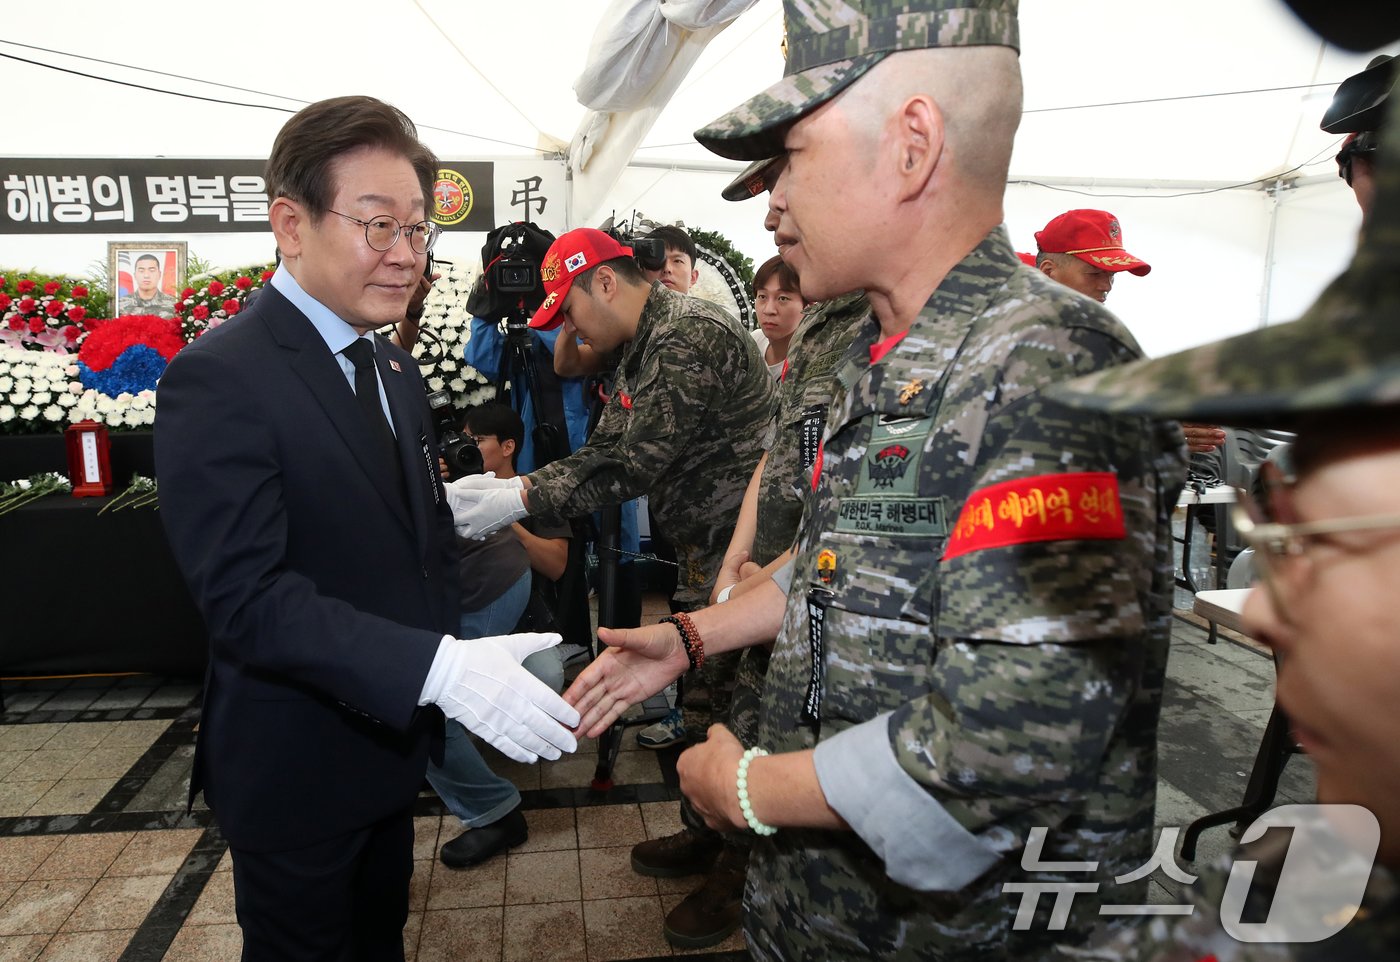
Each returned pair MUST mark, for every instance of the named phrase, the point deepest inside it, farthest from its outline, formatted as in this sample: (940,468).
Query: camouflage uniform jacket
(162,305)
(684,427)
(980,671)
(804,394)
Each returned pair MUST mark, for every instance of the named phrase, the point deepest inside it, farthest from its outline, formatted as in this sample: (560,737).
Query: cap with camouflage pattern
(1344,352)
(754,179)
(833,43)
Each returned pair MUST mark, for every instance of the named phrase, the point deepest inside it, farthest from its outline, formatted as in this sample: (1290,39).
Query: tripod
(517,371)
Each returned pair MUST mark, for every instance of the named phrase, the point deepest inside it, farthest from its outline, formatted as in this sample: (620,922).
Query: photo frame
(129,264)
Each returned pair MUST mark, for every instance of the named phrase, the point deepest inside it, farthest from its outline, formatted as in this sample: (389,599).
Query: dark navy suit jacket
(324,593)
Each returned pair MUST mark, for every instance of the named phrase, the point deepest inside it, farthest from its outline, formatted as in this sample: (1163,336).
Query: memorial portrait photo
(146,276)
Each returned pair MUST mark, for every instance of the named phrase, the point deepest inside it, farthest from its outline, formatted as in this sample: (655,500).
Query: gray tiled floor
(99,862)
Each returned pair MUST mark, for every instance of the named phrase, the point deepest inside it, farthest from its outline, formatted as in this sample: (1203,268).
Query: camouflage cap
(1344,352)
(754,179)
(832,43)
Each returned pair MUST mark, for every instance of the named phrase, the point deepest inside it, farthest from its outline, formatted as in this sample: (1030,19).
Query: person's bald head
(977,91)
(904,170)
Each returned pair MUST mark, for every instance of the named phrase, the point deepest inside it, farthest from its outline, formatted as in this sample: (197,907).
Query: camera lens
(462,456)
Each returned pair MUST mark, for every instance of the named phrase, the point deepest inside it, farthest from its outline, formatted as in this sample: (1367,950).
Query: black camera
(514,275)
(1358,108)
(515,269)
(510,278)
(649,252)
(458,451)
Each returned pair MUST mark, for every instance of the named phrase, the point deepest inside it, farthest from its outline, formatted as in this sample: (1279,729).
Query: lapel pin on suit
(395,365)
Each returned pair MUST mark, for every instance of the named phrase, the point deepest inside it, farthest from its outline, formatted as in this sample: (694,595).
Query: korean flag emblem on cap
(575,263)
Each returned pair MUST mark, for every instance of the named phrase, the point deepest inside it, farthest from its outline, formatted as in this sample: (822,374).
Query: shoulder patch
(1047,507)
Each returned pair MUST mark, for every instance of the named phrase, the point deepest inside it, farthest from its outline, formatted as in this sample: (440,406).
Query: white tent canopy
(1135,108)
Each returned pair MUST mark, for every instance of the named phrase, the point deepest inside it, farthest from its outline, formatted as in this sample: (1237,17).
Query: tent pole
(1273,191)
(568,195)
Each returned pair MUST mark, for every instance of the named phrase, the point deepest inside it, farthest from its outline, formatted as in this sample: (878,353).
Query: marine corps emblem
(888,465)
(452,198)
(911,390)
(826,565)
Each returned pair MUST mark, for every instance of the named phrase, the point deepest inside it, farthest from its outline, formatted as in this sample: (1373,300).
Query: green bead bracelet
(742,786)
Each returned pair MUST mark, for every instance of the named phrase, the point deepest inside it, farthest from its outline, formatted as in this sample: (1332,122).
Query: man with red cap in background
(1083,250)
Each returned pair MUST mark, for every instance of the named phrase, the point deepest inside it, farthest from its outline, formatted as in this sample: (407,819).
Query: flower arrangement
(118,367)
(443,333)
(211,299)
(43,313)
(124,410)
(128,355)
(36,390)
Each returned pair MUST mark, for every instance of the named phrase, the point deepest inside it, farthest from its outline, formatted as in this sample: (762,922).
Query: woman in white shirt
(780,306)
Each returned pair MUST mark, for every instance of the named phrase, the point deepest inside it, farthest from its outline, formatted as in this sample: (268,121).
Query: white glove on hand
(487,482)
(479,682)
(481,505)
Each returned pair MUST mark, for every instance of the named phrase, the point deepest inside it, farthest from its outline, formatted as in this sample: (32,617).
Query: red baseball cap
(1094,237)
(573,253)
(1027,259)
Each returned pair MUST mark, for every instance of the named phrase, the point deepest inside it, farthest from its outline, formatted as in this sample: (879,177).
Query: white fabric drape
(640,53)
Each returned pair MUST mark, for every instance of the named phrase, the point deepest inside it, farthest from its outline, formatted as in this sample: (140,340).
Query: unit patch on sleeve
(1048,507)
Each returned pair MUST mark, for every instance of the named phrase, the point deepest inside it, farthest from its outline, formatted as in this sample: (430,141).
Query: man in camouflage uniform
(711,913)
(794,436)
(148,298)
(684,425)
(975,637)
(1325,541)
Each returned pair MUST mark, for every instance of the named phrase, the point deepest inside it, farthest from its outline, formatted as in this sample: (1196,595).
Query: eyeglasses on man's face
(382,232)
(1281,548)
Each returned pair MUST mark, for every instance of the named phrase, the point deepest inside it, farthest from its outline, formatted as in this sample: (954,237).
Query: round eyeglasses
(382,232)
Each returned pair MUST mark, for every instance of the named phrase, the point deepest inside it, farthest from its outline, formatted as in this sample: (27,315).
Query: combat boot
(711,913)
(685,853)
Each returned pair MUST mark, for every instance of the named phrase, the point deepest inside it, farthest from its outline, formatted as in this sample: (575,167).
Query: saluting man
(684,426)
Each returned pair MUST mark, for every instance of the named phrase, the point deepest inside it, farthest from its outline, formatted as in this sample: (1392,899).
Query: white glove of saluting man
(483,503)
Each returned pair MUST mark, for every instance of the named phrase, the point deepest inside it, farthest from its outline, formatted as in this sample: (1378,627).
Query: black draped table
(86,592)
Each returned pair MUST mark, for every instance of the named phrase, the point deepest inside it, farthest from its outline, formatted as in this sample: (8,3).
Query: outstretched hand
(480,683)
(637,663)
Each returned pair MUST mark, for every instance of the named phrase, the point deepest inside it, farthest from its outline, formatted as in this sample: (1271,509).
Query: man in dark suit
(300,494)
